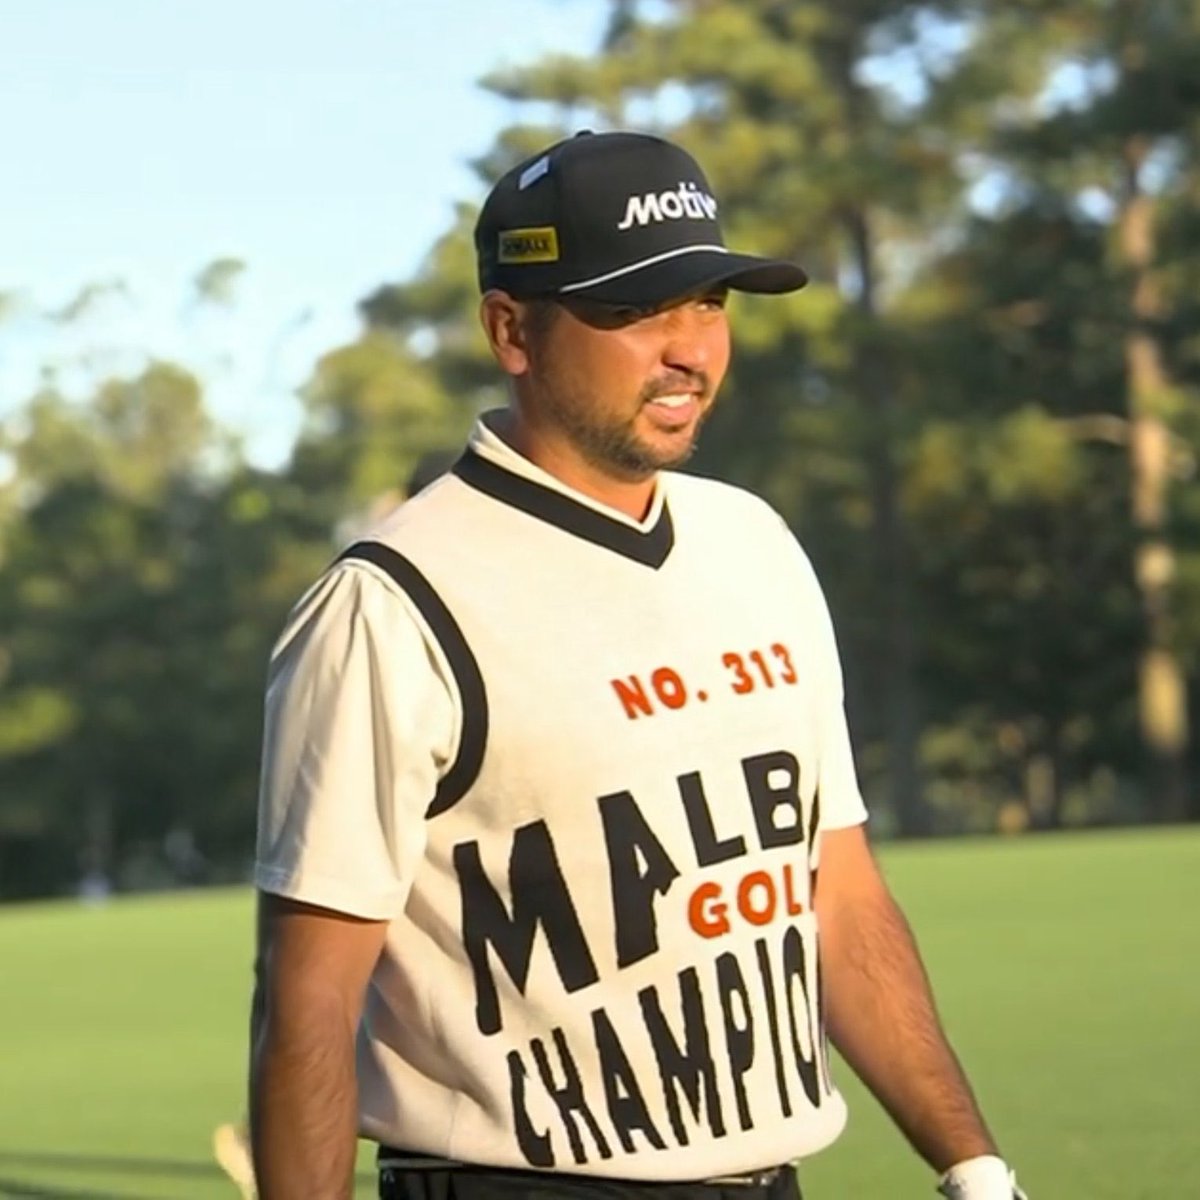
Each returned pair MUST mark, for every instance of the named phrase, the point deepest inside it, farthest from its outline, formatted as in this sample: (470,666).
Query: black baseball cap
(617,218)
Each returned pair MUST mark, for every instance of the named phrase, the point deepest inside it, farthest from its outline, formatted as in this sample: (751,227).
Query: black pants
(483,1183)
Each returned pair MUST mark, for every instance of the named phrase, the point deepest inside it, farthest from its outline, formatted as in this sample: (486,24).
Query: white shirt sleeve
(841,799)
(361,720)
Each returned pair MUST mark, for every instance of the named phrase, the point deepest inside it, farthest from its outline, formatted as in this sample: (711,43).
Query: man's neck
(556,457)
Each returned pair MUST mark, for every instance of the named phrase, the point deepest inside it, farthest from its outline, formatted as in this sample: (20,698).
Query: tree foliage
(980,418)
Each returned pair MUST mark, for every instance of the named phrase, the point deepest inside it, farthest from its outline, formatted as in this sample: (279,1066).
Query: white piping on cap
(640,265)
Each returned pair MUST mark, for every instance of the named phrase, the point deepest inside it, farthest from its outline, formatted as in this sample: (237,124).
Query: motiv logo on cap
(686,201)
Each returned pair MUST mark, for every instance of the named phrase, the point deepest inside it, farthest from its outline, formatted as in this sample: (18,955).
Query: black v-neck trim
(649,547)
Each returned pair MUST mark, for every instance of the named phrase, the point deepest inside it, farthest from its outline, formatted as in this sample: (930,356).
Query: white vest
(582,765)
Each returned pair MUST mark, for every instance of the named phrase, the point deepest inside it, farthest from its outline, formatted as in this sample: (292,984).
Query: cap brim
(660,282)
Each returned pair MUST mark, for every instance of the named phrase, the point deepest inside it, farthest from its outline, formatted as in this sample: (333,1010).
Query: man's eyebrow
(597,311)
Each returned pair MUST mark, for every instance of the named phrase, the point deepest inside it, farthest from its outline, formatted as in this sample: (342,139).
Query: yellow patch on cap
(529,245)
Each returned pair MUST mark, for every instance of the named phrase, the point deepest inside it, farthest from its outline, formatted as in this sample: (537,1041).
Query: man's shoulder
(715,497)
(727,515)
(428,514)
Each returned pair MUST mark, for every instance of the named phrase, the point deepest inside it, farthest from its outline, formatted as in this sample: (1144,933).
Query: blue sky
(324,142)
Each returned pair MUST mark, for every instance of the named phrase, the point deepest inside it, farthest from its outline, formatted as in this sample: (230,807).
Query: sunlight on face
(628,390)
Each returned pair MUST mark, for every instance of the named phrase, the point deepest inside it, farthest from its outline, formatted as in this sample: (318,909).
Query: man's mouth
(675,399)
(675,410)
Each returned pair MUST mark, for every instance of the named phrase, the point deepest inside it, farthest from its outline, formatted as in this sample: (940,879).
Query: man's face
(628,390)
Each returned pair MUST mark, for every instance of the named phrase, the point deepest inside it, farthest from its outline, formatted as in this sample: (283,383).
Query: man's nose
(689,343)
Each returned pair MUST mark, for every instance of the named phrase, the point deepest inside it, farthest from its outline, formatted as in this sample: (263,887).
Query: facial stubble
(612,443)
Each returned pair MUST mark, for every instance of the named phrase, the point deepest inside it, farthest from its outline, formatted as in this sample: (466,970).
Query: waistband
(388,1158)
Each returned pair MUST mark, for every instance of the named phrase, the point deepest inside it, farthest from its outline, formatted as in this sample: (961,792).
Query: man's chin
(638,459)
(664,457)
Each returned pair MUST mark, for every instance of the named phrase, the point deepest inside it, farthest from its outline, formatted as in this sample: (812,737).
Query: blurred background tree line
(981,418)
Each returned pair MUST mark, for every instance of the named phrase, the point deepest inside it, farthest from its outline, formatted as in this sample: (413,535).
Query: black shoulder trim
(650,547)
(465,768)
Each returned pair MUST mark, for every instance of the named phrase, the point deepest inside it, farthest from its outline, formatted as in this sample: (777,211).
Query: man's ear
(503,321)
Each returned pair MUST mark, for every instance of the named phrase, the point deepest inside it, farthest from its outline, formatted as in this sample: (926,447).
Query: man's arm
(311,973)
(880,1007)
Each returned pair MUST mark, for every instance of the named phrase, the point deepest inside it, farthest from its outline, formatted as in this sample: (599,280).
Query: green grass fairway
(1067,969)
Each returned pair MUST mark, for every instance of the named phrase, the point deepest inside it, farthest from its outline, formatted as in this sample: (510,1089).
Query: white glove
(984,1178)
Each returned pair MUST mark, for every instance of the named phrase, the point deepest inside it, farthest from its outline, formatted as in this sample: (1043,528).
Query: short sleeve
(360,721)
(840,798)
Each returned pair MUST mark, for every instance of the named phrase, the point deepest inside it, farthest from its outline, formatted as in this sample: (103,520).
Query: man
(231,1139)
(557,776)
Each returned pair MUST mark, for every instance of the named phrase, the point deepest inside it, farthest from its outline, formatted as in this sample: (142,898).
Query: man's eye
(606,316)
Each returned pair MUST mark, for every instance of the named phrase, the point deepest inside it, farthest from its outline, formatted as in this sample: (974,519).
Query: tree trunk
(897,665)
(1162,692)
(1043,793)
(98,855)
